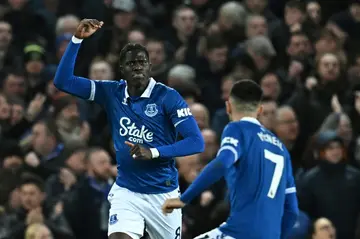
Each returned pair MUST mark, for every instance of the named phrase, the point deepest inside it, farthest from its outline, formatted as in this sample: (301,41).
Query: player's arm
(229,152)
(291,210)
(185,124)
(64,78)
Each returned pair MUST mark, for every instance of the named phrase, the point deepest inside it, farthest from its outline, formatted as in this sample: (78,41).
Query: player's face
(136,68)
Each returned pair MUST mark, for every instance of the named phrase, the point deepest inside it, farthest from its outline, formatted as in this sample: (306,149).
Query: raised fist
(87,27)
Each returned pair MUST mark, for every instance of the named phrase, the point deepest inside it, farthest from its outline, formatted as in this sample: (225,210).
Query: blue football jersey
(150,120)
(258,180)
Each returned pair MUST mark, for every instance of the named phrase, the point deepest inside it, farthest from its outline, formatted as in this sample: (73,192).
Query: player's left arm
(230,151)
(291,209)
(185,124)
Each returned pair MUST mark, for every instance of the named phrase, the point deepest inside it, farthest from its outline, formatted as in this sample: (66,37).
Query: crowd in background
(56,154)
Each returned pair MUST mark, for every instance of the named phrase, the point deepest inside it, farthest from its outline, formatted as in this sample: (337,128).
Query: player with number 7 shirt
(258,172)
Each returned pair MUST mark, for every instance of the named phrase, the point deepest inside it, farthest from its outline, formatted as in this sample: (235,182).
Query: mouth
(138,75)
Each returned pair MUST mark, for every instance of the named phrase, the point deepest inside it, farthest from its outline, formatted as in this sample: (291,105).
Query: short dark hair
(215,41)
(180,8)
(300,5)
(132,47)
(247,94)
(33,179)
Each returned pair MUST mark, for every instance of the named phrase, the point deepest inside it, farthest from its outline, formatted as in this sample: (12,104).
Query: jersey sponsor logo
(136,135)
(183,112)
(230,140)
(151,110)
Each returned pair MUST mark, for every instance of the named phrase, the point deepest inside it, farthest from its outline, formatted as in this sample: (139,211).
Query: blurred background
(56,155)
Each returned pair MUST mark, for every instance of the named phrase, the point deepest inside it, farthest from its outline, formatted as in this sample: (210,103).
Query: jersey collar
(251,120)
(147,91)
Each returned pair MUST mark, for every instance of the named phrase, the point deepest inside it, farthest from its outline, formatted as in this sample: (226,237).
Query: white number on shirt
(279,168)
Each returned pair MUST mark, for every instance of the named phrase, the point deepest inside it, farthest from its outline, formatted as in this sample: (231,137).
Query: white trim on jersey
(93,89)
(180,121)
(147,92)
(290,190)
(232,149)
(76,40)
(251,120)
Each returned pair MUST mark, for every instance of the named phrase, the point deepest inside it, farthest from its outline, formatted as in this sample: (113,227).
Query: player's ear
(228,107)
(260,110)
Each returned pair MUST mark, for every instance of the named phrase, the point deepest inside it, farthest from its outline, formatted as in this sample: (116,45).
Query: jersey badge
(151,110)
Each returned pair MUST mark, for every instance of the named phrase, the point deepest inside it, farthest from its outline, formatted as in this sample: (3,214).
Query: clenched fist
(87,27)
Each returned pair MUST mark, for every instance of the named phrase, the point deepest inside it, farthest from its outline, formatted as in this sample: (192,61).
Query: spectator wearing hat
(331,189)
(35,61)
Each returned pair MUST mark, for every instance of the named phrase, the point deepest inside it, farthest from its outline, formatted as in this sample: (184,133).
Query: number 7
(279,167)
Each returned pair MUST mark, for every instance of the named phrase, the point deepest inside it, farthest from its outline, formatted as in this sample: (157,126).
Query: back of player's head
(132,47)
(246,95)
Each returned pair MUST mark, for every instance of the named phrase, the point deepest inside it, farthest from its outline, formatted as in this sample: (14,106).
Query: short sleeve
(290,181)
(101,90)
(176,107)
(230,140)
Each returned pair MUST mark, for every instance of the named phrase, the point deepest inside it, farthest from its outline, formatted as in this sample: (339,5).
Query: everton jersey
(258,180)
(149,120)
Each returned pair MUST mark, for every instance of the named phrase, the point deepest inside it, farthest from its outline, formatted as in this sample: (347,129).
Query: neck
(238,116)
(137,90)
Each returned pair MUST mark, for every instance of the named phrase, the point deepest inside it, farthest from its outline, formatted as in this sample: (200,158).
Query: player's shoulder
(164,89)
(165,93)
(235,125)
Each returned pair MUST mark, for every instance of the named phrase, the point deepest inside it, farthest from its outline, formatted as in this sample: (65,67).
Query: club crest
(151,110)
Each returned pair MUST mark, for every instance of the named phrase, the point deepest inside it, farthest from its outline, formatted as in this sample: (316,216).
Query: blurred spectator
(319,196)
(201,115)
(211,146)
(323,228)
(33,210)
(268,115)
(87,207)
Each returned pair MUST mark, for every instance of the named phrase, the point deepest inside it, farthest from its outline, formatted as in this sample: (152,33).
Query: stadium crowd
(56,155)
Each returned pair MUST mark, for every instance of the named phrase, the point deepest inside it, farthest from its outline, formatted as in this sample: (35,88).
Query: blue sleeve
(212,173)
(185,124)
(291,209)
(230,141)
(79,86)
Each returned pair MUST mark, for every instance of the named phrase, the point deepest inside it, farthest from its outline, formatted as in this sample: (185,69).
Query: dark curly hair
(132,47)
